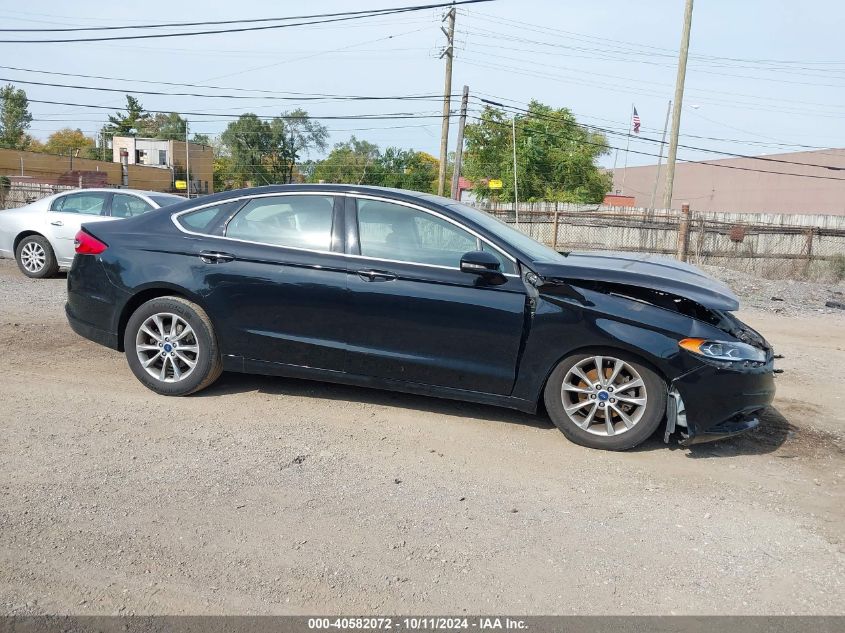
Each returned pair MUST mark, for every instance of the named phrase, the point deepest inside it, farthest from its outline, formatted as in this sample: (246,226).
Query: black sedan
(411,292)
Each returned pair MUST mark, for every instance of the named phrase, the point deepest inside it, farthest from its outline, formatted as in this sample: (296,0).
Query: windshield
(531,247)
(165,201)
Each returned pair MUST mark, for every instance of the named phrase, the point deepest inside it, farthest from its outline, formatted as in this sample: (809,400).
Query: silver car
(40,235)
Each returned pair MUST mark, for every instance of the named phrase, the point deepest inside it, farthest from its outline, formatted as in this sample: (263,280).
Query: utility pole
(660,156)
(447,93)
(459,148)
(187,163)
(678,104)
(515,179)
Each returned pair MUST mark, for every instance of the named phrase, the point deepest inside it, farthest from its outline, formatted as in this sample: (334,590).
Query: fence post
(683,233)
(554,229)
(809,248)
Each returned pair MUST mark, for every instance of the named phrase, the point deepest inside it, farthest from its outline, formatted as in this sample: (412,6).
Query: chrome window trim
(346,194)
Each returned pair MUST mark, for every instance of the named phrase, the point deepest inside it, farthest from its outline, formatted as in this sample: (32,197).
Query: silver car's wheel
(33,257)
(604,395)
(167,347)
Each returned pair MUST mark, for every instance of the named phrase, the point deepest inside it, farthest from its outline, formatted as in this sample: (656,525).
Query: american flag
(635,121)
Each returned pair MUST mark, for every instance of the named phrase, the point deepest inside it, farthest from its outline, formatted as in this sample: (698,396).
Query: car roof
(143,192)
(401,194)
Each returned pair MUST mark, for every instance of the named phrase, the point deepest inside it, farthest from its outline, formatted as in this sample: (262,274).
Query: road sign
(494,184)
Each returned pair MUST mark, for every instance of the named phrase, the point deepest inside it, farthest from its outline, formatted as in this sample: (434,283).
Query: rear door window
(85,203)
(124,205)
(208,219)
(293,221)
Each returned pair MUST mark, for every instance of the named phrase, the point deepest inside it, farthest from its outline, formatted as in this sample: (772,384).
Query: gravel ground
(782,296)
(279,496)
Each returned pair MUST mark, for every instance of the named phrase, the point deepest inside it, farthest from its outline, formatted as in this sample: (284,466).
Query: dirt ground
(279,496)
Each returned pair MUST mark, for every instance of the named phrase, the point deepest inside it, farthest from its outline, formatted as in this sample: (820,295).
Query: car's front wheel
(607,400)
(171,346)
(36,258)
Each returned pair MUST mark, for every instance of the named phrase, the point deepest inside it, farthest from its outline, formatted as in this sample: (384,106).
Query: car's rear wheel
(606,400)
(171,346)
(36,258)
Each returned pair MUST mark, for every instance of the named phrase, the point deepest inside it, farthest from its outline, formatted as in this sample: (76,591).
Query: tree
(348,162)
(164,126)
(68,140)
(132,123)
(201,139)
(405,169)
(556,156)
(266,152)
(14,118)
(247,141)
(296,134)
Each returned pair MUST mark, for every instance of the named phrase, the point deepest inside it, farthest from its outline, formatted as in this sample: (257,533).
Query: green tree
(350,162)
(164,126)
(296,135)
(14,118)
(68,140)
(556,156)
(201,139)
(266,152)
(131,123)
(247,141)
(405,169)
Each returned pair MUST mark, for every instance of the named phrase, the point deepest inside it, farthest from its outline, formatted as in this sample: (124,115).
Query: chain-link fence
(14,195)
(770,245)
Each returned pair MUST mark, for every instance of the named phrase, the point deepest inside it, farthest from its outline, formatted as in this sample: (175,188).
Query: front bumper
(722,403)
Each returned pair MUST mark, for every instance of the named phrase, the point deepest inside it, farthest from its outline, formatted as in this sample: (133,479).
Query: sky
(764,77)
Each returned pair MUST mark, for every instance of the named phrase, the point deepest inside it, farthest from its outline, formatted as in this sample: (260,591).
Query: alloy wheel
(33,257)
(604,395)
(167,347)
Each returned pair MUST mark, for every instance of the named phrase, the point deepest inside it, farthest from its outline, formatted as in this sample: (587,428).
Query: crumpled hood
(647,271)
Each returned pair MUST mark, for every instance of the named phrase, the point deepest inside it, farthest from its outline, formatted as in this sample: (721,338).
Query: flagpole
(627,145)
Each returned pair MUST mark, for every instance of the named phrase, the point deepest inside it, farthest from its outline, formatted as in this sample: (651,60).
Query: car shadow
(231,383)
(774,430)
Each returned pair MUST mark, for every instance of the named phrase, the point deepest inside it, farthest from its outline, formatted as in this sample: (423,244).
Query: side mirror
(481,263)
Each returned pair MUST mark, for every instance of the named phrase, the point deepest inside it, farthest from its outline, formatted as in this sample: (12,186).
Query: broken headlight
(723,350)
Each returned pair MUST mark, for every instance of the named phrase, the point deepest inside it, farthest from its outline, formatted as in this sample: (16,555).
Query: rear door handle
(57,223)
(376,275)
(214,257)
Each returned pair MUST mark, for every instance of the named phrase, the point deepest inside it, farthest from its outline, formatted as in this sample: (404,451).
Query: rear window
(207,219)
(165,201)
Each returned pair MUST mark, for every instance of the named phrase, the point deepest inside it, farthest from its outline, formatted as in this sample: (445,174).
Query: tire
(187,330)
(36,258)
(635,412)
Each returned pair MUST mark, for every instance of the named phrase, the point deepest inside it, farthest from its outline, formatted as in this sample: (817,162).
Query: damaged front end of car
(719,371)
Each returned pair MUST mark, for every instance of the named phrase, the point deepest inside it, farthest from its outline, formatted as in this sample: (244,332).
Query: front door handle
(215,257)
(376,275)
(57,223)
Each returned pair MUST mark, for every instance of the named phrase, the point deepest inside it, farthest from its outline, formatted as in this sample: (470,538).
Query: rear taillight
(87,244)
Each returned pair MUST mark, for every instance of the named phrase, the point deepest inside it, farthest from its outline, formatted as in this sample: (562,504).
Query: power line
(690,147)
(668,52)
(187,85)
(229,96)
(775,142)
(386,115)
(204,23)
(343,18)
(607,146)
